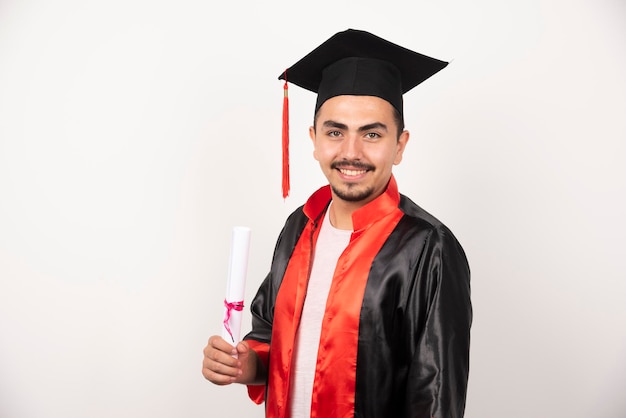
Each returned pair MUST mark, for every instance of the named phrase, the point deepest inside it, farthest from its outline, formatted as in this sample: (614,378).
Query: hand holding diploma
(226,359)
(224,363)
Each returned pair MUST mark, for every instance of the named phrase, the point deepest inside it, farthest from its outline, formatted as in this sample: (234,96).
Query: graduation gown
(396,330)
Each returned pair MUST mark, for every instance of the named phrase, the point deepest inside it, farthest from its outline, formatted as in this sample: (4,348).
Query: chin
(349,195)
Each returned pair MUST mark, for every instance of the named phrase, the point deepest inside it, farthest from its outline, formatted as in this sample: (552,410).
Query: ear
(401,146)
(312,136)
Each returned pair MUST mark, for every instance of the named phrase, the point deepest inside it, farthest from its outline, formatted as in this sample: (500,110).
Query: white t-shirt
(331,242)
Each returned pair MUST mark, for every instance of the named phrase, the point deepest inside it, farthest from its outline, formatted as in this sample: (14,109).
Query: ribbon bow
(230,306)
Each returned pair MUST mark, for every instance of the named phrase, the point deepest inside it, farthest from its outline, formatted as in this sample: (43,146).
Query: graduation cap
(355,62)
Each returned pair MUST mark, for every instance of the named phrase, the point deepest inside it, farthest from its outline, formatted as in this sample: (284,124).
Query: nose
(352,147)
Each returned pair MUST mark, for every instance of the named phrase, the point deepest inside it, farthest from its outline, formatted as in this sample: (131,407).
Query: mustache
(351,164)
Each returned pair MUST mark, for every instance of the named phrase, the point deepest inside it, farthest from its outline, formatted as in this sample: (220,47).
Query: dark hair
(399,121)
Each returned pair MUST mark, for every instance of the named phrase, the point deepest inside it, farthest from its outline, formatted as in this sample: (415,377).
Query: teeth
(352,172)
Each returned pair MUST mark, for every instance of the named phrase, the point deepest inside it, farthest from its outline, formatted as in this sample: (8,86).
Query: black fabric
(355,62)
(413,356)
(361,76)
(414,335)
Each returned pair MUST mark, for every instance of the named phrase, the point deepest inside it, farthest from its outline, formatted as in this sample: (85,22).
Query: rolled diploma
(236,284)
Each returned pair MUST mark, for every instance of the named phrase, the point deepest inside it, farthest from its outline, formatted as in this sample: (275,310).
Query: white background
(135,134)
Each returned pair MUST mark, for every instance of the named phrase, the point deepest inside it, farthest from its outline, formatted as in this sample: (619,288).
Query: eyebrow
(368,127)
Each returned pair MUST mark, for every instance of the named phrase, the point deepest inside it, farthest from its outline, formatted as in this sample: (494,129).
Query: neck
(341,213)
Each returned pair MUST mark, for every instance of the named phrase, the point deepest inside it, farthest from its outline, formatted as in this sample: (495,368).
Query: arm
(437,381)
(259,338)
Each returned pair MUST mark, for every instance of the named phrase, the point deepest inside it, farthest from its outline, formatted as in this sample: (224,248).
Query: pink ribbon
(230,306)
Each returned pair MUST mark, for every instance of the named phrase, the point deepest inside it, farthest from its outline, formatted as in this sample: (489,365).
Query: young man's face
(355,141)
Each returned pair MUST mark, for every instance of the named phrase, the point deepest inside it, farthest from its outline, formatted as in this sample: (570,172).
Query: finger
(221,344)
(218,342)
(220,368)
(217,378)
(218,356)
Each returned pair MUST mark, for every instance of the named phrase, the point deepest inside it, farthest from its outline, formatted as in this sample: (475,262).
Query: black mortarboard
(355,62)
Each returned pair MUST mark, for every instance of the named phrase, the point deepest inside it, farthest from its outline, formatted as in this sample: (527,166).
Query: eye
(372,135)
(334,134)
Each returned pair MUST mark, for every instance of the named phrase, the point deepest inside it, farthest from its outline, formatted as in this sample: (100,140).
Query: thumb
(243,348)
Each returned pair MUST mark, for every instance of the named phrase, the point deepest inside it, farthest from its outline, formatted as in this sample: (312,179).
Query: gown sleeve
(259,338)
(439,369)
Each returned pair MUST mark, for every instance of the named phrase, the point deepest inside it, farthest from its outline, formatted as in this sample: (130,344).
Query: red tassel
(285,140)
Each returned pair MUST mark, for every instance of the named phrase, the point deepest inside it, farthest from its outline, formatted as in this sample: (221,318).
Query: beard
(351,193)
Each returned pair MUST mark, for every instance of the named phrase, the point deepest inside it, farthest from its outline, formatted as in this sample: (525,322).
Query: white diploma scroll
(238,268)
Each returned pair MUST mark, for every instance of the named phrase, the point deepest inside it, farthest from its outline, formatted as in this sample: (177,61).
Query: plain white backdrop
(135,134)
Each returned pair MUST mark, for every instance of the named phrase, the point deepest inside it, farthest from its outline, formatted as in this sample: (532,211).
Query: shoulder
(416,216)
(291,231)
(296,220)
(420,221)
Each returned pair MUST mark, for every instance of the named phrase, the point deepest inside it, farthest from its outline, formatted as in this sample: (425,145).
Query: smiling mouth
(347,172)
(352,168)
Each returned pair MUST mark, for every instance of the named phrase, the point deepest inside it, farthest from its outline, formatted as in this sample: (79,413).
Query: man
(366,310)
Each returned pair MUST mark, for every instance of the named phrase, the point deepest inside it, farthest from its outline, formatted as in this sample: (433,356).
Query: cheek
(322,154)
(394,155)
(382,157)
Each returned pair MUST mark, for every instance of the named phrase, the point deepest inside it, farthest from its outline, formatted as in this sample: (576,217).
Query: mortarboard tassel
(285,140)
